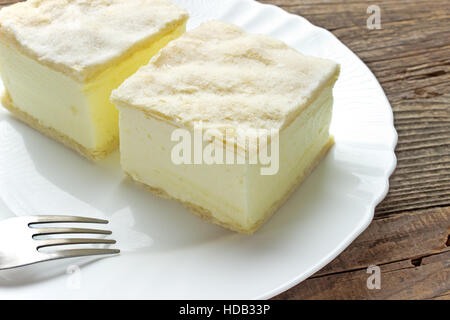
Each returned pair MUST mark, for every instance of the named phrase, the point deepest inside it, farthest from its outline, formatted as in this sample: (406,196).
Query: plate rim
(370,213)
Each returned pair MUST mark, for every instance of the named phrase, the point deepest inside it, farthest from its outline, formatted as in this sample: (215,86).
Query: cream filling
(300,143)
(235,194)
(81,111)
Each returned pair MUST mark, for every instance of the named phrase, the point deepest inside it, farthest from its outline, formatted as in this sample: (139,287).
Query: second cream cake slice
(236,87)
(60,60)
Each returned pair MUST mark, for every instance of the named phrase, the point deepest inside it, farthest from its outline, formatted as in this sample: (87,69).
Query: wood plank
(7,2)
(403,236)
(399,280)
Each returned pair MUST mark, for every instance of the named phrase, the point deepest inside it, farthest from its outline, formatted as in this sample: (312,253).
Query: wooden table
(409,239)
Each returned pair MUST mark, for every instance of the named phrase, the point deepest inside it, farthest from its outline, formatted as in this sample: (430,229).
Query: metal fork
(18,246)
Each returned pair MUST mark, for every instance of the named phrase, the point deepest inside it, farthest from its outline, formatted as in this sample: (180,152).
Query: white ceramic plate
(167,253)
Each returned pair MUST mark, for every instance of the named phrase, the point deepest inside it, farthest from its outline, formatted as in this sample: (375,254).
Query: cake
(60,60)
(230,87)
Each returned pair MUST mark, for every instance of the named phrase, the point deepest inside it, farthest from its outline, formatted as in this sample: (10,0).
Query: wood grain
(399,280)
(409,239)
(412,250)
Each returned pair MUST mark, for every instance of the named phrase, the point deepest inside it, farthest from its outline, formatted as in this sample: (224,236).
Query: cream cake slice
(237,88)
(60,60)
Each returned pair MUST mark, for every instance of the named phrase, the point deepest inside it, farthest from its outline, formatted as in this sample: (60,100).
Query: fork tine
(74,253)
(63,242)
(65,219)
(50,231)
